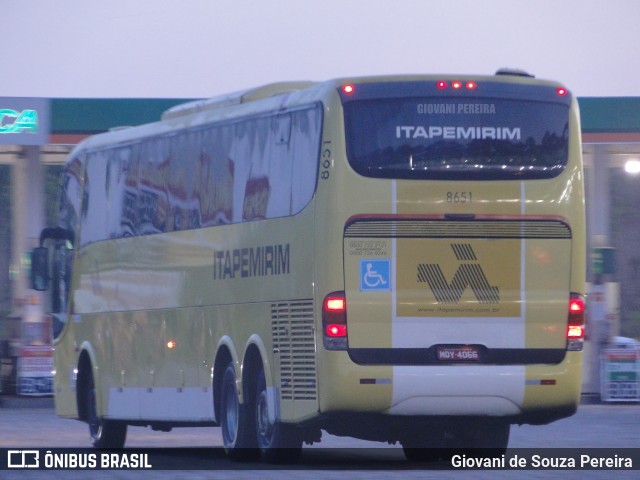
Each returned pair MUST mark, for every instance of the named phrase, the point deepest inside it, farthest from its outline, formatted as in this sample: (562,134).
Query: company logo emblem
(457,133)
(12,121)
(23,459)
(469,274)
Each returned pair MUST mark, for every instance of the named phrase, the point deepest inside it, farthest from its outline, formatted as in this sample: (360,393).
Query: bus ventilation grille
(419,228)
(294,338)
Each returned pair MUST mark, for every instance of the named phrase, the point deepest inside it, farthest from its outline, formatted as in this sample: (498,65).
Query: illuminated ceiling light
(632,167)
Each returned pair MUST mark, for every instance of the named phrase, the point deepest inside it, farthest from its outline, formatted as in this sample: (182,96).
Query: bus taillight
(336,330)
(349,88)
(334,321)
(575,326)
(456,85)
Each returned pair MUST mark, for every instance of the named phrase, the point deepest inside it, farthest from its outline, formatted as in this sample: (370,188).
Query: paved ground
(595,426)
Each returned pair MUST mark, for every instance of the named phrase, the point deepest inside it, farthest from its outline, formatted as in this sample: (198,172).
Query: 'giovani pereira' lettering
(251,262)
(458,133)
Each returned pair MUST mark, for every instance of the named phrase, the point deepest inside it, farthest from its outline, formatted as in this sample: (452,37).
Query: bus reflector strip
(375,381)
(546,381)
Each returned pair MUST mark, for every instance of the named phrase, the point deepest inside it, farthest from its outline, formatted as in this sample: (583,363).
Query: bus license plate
(458,354)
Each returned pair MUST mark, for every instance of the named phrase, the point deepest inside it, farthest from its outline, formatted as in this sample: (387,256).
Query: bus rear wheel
(278,442)
(104,433)
(238,426)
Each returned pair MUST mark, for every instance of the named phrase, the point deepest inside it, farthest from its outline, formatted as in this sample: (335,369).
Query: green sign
(603,261)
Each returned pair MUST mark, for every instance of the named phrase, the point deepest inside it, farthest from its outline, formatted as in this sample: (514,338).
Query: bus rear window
(457,138)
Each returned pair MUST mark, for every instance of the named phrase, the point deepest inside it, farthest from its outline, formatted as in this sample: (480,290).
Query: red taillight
(575,324)
(334,321)
(576,304)
(348,88)
(335,330)
(561,91)
(334,304)
(456,85)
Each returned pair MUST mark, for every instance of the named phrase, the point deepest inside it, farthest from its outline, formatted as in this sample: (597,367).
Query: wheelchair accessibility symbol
(375,275)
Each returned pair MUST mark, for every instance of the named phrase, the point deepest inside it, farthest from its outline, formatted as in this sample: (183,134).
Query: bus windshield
(471,138)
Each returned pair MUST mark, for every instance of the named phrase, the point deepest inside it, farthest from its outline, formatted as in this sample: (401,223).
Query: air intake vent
(515,72)
(293,337)
(421,228)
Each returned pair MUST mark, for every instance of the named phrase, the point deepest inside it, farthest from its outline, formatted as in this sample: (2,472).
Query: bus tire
(236,420)
(104,433)
(278,443)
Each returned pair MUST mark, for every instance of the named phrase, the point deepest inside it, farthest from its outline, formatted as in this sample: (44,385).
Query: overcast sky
(202,48)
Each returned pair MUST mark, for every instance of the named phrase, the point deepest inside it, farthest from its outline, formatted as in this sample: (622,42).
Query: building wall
(625,238)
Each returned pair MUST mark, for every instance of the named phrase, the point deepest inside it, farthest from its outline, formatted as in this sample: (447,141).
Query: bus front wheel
(104,433)
(278,442)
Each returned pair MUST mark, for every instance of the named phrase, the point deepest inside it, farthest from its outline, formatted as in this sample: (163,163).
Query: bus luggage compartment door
(436,292)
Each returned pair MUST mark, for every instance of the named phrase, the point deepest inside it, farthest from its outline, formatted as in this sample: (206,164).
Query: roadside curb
(25,402)
(590,399)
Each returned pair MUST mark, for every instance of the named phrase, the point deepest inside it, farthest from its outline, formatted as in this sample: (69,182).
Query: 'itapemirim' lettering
(249,262)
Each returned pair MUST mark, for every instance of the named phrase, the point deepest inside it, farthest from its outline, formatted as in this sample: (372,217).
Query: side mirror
(40,269)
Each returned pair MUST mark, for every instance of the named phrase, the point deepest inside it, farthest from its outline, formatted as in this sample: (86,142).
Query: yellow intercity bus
(397,258)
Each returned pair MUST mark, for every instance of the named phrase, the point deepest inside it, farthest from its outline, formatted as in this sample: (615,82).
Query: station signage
(24,121)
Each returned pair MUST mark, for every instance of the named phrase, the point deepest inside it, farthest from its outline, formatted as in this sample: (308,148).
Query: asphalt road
(594,426)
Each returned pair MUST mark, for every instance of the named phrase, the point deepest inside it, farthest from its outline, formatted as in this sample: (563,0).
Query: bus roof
(236,98)
(264,98)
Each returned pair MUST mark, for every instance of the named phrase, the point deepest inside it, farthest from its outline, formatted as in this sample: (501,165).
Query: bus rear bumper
(458,390)
(521,393)
(456,406)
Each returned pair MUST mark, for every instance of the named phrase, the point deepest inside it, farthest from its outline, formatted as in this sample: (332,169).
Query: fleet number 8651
(459,197)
